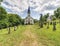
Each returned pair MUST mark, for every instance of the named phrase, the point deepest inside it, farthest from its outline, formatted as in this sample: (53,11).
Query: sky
(36,6)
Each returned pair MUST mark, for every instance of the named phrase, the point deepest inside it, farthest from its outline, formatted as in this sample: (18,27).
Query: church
(28,20)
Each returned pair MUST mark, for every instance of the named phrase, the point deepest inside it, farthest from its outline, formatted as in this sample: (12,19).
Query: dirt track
(30,38)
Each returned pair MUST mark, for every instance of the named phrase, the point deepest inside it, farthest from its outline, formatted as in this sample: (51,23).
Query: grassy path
(30,38)
(30,35)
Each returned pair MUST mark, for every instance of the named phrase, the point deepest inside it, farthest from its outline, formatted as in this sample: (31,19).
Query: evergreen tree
(54,23)
(57,12)
(45,17)
(41,21)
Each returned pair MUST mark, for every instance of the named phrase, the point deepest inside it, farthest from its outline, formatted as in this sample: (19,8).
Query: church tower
(28,20)
(28,11)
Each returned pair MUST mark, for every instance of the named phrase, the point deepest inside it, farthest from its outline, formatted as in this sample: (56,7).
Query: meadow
(28,35)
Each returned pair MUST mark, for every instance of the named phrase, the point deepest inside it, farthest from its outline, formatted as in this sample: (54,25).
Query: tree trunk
(41,25)
(48,26)
(54,26)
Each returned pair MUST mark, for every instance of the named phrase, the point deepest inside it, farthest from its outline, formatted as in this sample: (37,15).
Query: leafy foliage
(41,21)
(57,12)
(2,10)
(7,20)
(46,16)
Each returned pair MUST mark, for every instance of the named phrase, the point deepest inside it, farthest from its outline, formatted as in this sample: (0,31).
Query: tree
(14,20)
(22,21)
(45,18)
(18,19)
(54,23)
(57,12)
(2,10)
(41,21)
(9,20)
(3,18)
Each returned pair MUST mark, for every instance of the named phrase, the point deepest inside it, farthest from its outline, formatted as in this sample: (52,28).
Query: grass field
(30,35)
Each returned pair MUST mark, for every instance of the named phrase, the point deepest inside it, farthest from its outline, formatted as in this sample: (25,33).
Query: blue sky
(37,6)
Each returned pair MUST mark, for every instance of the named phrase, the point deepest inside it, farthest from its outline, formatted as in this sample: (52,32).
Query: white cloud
(47,5)
(41,6)
(16,5)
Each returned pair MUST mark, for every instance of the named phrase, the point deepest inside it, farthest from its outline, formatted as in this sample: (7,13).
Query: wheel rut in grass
(30,38)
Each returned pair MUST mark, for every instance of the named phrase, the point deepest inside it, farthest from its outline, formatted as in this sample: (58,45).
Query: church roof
(29,17)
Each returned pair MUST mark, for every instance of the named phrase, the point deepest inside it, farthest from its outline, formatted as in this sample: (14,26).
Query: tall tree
(3,17)
(8,20)
(14,20)
(45,18)
(57,12)
(41,21)
(54,23)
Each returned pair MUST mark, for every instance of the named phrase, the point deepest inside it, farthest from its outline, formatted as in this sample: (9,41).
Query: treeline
(50,19)
(9,20)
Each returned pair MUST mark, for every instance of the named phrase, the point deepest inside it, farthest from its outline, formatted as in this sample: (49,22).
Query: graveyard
(43,32)
(28,31)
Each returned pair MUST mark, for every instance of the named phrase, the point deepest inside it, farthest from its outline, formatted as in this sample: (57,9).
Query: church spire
(28,8)
(29,11)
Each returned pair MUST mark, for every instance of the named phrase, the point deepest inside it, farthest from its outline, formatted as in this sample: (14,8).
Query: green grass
(11,39)
(47,37)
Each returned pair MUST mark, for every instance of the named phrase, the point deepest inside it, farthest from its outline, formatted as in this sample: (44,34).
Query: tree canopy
(57,12)
(8,19)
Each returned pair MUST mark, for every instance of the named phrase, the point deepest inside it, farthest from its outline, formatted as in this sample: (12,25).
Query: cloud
(15,5)
(47,5)
(40,6)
